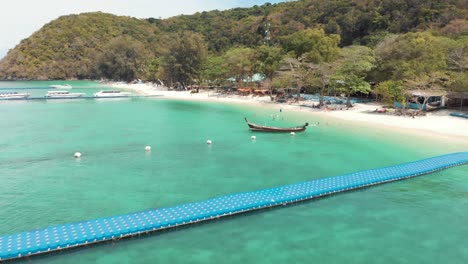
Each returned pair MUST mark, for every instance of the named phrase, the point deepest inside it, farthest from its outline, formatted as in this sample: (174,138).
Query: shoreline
(438,123)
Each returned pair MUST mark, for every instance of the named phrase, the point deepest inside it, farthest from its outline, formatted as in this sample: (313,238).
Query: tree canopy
(123,59)
(354,65)
(240,62)
(313,45)
(184,58)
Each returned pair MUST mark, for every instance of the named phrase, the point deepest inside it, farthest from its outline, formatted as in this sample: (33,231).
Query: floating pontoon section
(67,236)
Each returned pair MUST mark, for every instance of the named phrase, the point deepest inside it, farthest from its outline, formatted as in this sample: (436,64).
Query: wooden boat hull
(259,128)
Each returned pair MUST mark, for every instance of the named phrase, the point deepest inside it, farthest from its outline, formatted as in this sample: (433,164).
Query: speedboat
(13,96)
(111,94)
(63,94)
(61,86)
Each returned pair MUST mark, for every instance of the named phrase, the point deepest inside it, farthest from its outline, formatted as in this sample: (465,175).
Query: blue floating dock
(73,235)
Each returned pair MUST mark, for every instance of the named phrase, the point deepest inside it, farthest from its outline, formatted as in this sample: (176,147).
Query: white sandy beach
(435,123)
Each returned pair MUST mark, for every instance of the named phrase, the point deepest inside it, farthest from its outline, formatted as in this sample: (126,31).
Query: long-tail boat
(255,127)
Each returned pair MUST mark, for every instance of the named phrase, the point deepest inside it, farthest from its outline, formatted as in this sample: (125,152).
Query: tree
(322,75)
(215,70)
(458,62)
(314,50)
(459,84)
(184,59)
(312,44)
(152,70)
(123,58)
(412,55)
(268,62)
(392,91)
(355,63)
(457,57)
(349,84)
(240,62)
(282,81)
(456,27)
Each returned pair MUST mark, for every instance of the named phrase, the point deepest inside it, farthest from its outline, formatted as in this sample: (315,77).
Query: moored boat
(255,127)
(111,94)
(61,86)
(63,94)
(459,114)
(13,96)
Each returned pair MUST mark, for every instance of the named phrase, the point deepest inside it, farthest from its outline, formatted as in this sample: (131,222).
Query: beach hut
(458,100)
(425,100)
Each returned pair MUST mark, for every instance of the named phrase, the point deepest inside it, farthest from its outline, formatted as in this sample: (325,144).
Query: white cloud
(20,18)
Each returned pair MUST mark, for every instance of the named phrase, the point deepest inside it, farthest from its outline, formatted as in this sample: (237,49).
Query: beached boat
(63,94)
(112,94)
(13,96)
(459,114)
(61,86)
(255,127)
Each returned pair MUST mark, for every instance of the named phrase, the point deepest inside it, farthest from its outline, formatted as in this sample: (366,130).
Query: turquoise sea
(421,220)
(39,88)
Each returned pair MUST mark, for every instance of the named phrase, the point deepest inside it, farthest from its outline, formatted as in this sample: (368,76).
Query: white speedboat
(13,95)
(63,94)
(111,94)
(61,86)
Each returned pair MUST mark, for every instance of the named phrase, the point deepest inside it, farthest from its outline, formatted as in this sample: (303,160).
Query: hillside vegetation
(68,46)
(356,21)
(336,44)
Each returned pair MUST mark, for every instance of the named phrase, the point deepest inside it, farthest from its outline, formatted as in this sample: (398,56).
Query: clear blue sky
(20,18)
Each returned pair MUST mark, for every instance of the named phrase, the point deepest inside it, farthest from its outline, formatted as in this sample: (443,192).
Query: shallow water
(414,221)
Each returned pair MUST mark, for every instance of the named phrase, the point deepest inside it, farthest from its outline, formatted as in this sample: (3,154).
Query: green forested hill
(91,45)
(68,46)
(356,21)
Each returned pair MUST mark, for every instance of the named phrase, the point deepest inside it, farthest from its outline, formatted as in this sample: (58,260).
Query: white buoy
(77,155)
(148,148)
(253,137)
(293,134)
(209,142)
